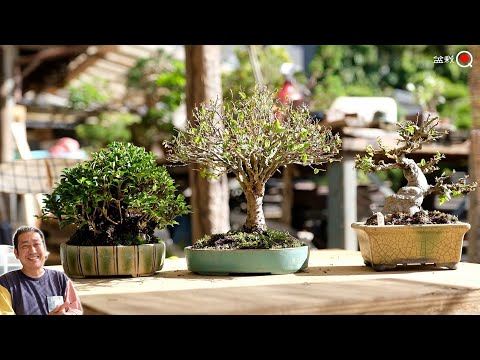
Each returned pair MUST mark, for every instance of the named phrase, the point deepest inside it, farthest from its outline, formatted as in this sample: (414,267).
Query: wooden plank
(134,51)
(93,55)
(51,53)
(113,67)
(120,59)
(98,72)
(336,282)
(300,299)
(80,68)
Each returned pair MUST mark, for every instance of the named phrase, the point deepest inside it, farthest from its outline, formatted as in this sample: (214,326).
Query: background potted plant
(404,233)
(117,199)
(252,137)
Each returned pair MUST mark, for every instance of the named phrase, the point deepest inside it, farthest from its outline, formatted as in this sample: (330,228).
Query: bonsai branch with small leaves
(248,138)
(408,200)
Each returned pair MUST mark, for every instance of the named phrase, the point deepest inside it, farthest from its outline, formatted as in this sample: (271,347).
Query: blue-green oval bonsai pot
(247,261)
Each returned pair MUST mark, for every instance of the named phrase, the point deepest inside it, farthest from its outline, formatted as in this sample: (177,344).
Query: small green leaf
(277,126)
(369,150)
(316,171)
(442,199)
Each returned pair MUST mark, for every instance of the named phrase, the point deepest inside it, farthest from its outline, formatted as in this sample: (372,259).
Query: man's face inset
(31,252)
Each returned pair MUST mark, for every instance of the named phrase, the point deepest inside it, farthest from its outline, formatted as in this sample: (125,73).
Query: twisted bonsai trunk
(410,197)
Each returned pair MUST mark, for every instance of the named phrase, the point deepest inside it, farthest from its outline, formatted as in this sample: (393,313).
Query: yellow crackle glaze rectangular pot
(387,246)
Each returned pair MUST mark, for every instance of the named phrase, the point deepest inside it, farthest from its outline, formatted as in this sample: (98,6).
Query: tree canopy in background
(335,70)
(160,81)
(376,70)
(270,59)
(155,89)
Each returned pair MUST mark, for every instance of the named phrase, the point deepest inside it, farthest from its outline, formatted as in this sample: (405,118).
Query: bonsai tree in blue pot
(251,137)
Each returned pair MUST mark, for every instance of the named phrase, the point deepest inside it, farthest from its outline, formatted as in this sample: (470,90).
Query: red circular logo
(464,58)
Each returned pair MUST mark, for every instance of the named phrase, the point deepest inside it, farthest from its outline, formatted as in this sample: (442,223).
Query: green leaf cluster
(160,80)
(118,197)
(252,135)
(86,95)
(107,127)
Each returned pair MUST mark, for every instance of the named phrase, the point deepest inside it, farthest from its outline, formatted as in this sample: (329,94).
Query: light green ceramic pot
(92,261)
(249,261)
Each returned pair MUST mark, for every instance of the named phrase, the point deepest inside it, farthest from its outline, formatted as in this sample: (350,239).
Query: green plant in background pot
(403,233)
(117,200)
(252,137)
(159,81)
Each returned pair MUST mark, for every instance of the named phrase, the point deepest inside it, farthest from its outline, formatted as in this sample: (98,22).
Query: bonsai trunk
(255,217)
(409,198)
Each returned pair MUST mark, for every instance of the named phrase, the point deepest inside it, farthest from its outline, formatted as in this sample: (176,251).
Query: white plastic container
(8,261)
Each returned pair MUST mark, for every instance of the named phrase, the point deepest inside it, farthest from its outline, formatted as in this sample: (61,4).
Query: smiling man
(35,290)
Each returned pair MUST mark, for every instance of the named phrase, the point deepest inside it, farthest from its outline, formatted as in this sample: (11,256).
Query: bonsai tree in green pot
(404,233)
(252,137)
(116,199)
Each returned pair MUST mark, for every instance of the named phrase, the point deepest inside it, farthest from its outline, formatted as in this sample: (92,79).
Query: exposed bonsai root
(127,232)
(421,217)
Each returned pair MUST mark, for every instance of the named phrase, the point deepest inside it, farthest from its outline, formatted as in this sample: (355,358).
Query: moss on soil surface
(269,239)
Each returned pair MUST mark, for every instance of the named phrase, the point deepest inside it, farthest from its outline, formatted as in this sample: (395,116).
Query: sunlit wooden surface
(336,282)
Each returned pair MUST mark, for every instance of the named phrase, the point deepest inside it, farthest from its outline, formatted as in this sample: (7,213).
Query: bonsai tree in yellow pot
(117,199)
(252,137)
(404,233)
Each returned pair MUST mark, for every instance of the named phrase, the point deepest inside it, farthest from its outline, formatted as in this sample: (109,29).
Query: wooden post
(342,204)
(7,102)
(287,194)
(257,72)
(210,208)
(7,106)
(473,250)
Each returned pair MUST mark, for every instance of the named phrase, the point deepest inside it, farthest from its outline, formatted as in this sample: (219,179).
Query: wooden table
(336,282)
